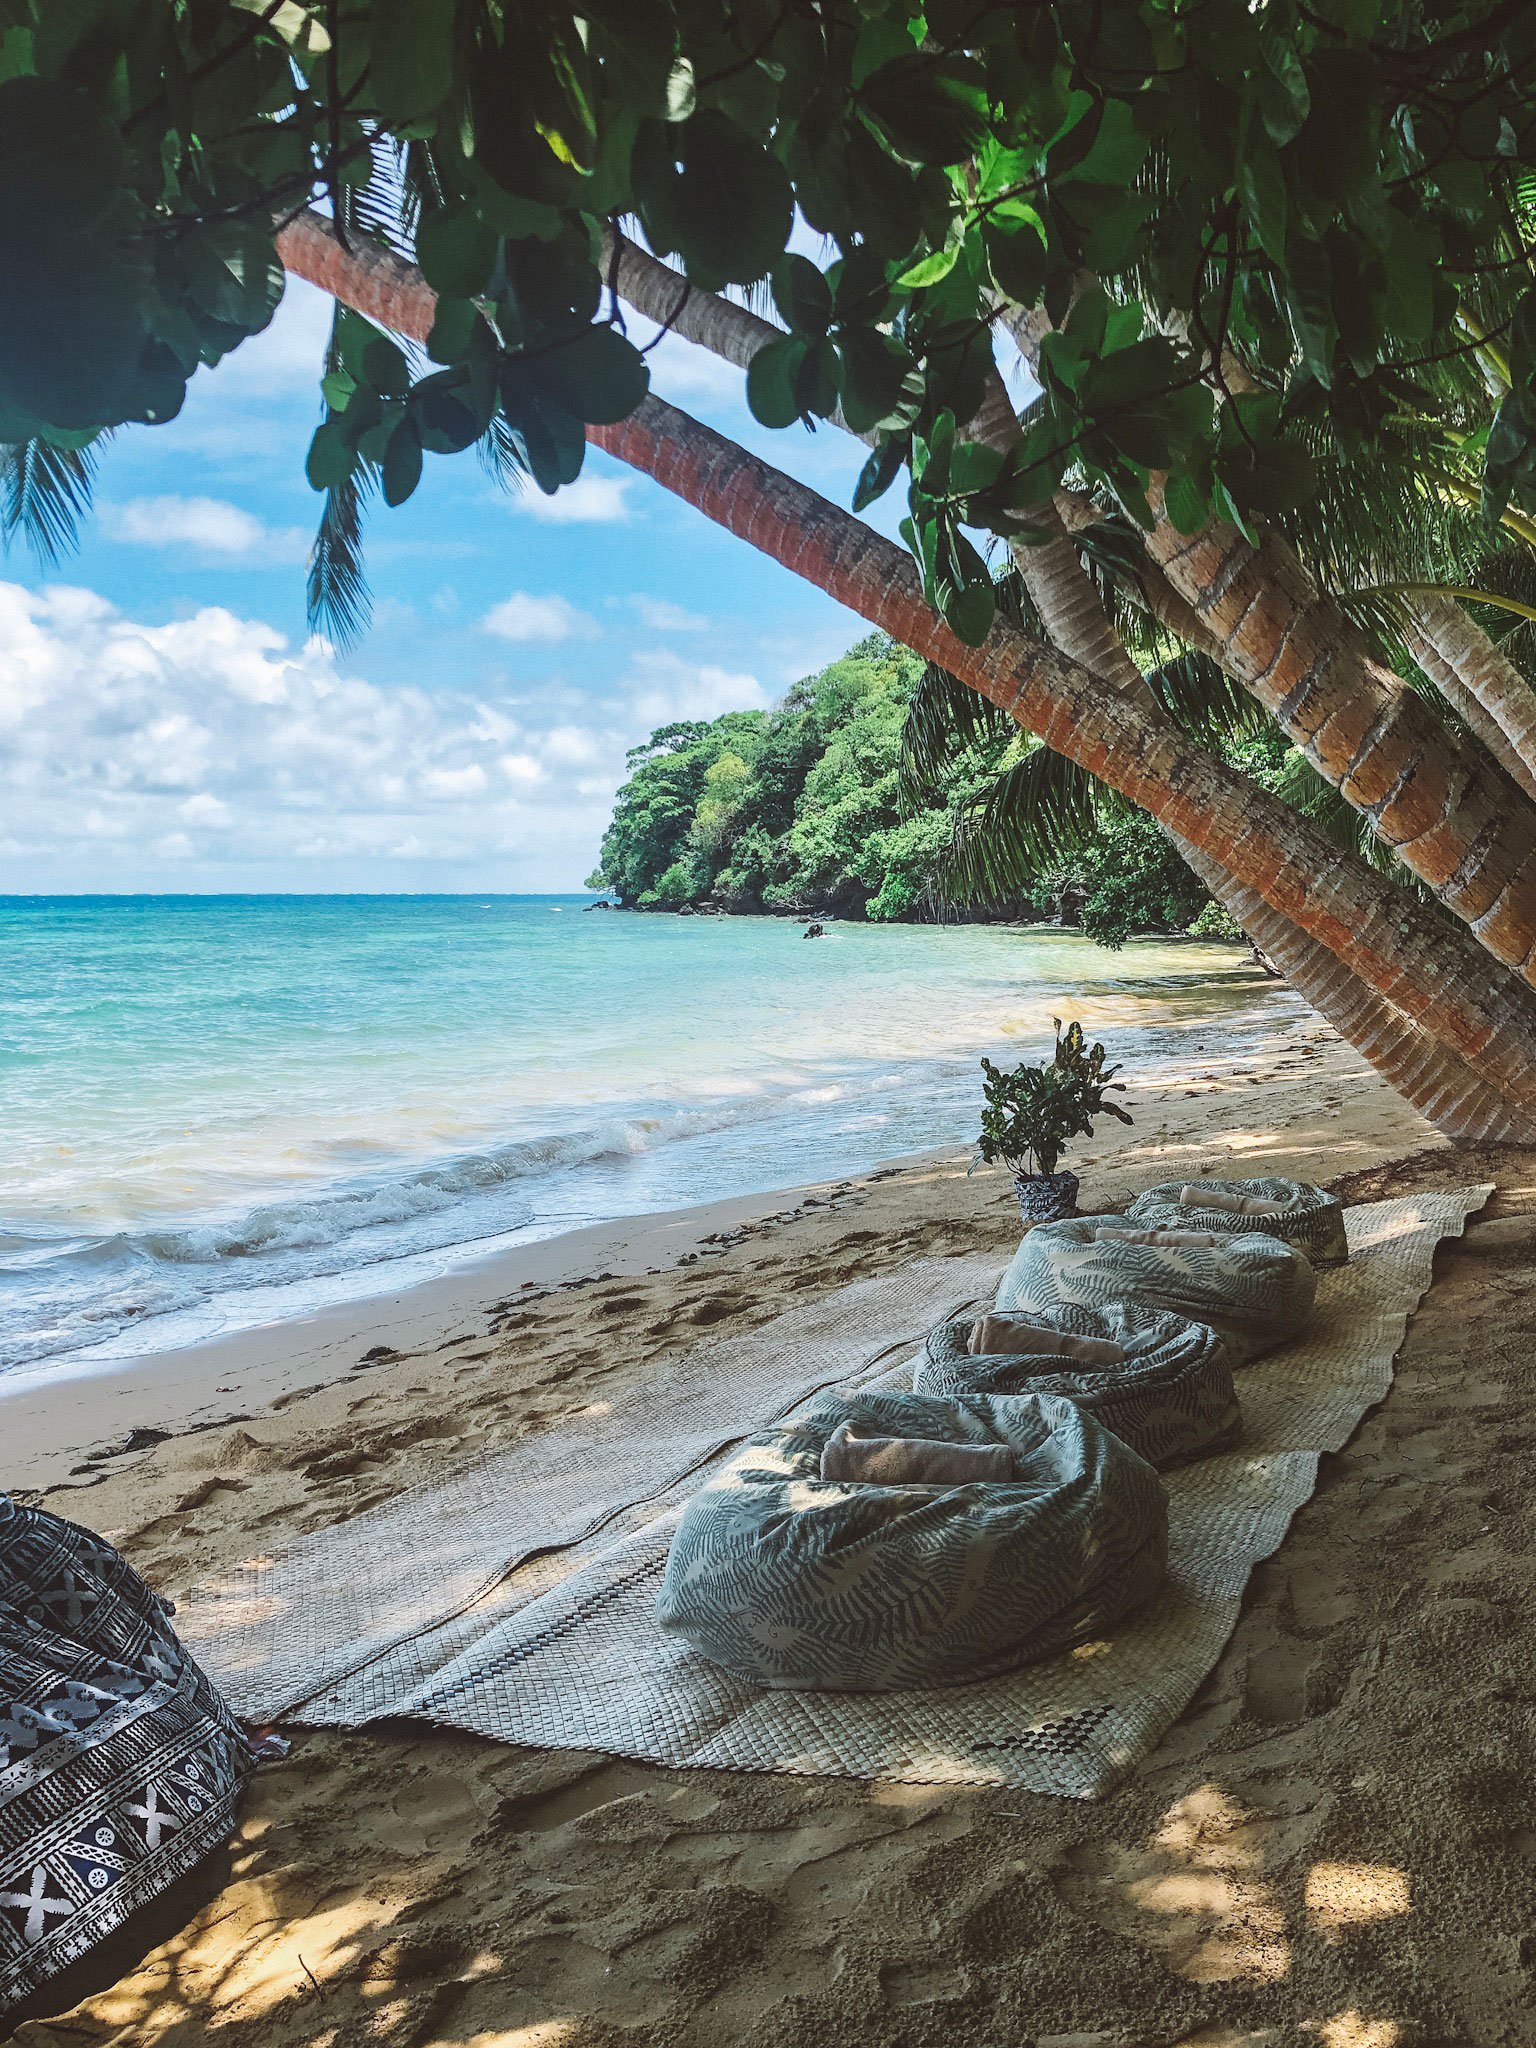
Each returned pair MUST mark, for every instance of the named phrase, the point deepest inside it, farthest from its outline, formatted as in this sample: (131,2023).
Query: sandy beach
(1335,1846)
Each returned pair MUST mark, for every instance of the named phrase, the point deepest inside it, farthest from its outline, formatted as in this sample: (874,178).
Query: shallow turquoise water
(214,1110)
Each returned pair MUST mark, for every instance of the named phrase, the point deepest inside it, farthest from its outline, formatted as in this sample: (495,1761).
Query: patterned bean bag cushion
(1171,1397)
(120,1766)
(1251,1289)
(1293,1210)
(789,1580)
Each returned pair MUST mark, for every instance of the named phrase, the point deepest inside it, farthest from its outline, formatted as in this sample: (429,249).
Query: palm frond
(44,494)
(340,603)
(944,717)
(500,456)
(1032,818)
(1198,694)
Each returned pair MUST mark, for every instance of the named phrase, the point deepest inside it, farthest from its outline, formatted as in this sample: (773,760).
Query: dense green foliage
(795,808)
(1338,196)
(805,808)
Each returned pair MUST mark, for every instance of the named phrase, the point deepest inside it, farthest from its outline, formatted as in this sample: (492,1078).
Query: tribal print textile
(120,1766)
(1170,1398)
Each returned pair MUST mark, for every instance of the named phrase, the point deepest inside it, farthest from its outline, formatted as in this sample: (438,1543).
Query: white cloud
(211,525)
(665,688)
(663,617)
(522,617)
(213,752)
(595,499)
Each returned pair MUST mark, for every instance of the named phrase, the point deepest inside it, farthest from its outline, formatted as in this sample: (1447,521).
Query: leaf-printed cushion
(1251,1289)
(788,1580)
(1292,1210)
(1170,1398)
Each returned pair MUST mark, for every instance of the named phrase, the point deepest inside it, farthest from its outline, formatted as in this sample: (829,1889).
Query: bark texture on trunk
(1426,974)
(1477,681)
(1456,821)
(1439,1084)
(1435,975)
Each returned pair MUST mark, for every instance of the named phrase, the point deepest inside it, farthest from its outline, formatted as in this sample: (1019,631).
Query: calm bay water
(215,1111)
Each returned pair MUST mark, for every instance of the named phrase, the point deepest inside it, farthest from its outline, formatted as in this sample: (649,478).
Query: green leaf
(1016,256)
(1284,97)
(934,109)
(456,251)
(818,379)
(1187,506)
(329,462)
(1261,183)
(969,612)
(453,323)
(402,463)
(385,367)
(878,474)
(410,67)
(931,268)
(706,189)
(596,375)
(771,376)
(443,414)
(882,385)
(802,296)
(233,273)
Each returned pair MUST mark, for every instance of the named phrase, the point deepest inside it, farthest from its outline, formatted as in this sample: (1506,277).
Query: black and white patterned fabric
(1293,1210)
(1251,1289)
(792,1581)
(120,1766)
(1170,1398)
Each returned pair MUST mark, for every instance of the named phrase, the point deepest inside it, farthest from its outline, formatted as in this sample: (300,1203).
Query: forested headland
(807,809)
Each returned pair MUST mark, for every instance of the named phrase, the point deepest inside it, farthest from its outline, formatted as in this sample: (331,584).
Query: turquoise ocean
(216,1112)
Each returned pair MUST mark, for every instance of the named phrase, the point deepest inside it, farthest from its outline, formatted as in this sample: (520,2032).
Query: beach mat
(357,1616)
(583,1665)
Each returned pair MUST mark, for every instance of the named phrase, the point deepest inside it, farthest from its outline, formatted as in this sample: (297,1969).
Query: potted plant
(1032,1111)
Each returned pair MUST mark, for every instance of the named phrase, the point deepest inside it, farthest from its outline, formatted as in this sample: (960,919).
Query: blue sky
(164,726)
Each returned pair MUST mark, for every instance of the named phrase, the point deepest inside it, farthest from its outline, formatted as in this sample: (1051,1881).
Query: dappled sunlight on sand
(1342,1895)
(1352,2030)
(1208,1894)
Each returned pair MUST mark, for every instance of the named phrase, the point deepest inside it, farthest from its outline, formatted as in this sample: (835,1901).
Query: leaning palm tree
(1481,1025)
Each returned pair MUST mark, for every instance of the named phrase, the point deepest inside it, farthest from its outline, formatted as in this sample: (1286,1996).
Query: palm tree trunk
(1429,1075)
(1480,684)
(1429,972)
(1439,1084)
(1428,969)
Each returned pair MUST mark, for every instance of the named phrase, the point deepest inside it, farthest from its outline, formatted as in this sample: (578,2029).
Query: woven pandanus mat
(352,1619)
(575,1659)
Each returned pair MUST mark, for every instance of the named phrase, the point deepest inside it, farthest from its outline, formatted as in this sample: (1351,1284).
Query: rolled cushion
(120,1766)
(1295,1211)
(792,1581)
(910,1460)
(1251,1289)
(1169,1397)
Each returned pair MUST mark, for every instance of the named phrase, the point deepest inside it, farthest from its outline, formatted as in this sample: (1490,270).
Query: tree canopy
(1265,236)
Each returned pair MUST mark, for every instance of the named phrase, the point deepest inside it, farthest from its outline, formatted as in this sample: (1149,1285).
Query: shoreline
(1269,1871)
(1313,1092)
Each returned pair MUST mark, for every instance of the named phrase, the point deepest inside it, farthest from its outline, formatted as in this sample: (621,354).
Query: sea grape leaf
(933,108)
(771,376)
(596,375)
(402,462)
(410,67)
(456,251)
(802,295)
